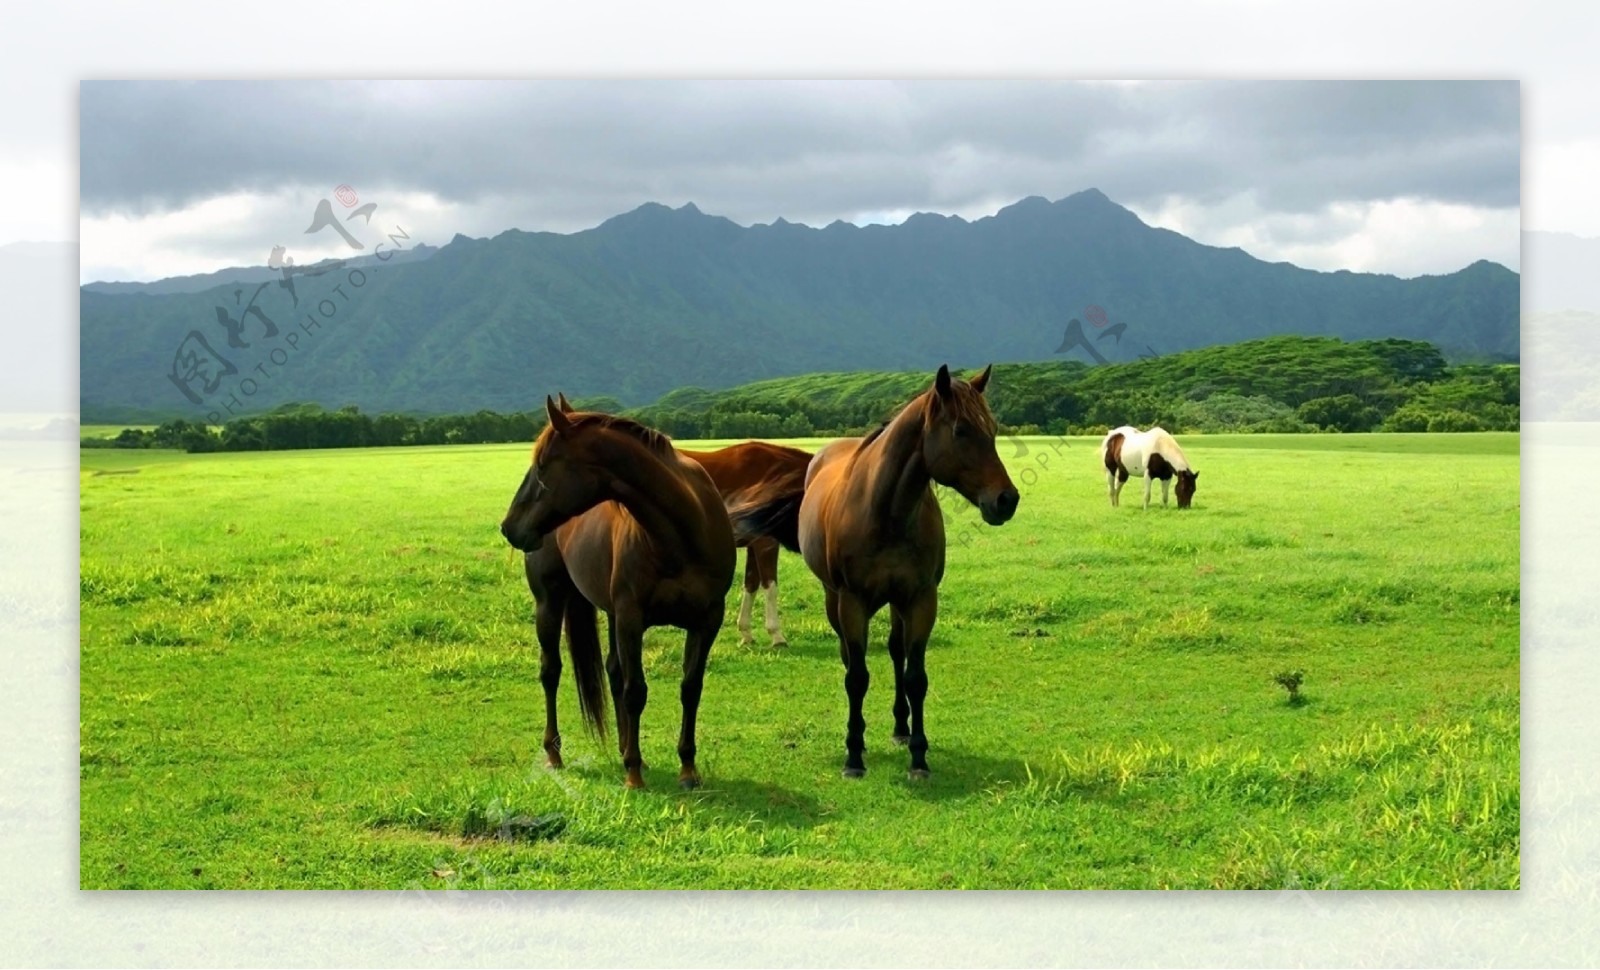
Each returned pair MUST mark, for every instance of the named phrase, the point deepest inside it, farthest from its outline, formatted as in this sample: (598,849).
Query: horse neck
(654,494)
(1167,448)
(899,477)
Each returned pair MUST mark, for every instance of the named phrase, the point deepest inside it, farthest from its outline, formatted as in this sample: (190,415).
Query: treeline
(1277,384)
(294,426)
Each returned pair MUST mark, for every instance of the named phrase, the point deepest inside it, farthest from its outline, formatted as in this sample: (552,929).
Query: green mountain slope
(660,298)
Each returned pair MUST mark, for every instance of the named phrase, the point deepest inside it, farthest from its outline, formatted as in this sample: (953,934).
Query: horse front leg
(1148,481)
(548,614)
(696,650)
(920,615)
(1164,484)
(850,620)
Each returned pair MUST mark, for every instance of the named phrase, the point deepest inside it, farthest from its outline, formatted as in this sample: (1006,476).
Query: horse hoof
(850,772)
(779,643)
(901,739)
(918,774)
(689,782)
(554,763)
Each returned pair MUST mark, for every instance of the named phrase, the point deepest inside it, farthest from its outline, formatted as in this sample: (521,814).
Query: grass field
(317,670)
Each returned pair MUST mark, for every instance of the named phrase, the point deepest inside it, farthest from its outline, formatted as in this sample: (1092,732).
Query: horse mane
(657,442)
(971,405)
(968,405)
(1165,445)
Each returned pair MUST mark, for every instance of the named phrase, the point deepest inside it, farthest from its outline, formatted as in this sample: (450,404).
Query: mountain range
(661,298)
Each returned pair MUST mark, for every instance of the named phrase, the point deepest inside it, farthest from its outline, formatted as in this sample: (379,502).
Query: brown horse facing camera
(611,516)
(870,529)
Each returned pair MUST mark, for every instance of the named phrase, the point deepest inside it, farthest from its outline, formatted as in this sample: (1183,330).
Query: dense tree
(1277,384)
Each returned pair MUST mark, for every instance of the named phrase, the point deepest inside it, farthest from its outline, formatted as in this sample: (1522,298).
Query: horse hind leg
(752,581)
(696,650)
(548,614)
(614,677)
(849,616)
(635,693)
(765,552)
(920,615)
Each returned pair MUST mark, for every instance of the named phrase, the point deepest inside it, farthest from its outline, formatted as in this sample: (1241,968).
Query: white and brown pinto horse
(1151,455)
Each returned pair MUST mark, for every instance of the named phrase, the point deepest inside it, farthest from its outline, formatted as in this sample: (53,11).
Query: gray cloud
(576,152)
(1297,171)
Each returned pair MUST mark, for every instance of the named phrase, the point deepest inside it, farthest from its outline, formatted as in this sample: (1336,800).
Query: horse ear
(941,381)
(978,383)
(561,399)
(558,417)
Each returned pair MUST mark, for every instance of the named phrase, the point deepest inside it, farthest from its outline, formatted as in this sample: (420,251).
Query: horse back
(832,452)
(740,468)
(607,550)
(1167,445)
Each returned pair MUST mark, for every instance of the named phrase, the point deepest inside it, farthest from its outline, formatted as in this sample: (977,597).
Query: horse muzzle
(520,536)
(999,509)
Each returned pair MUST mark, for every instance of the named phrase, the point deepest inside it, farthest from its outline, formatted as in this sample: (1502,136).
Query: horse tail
(588,669)
(777,518)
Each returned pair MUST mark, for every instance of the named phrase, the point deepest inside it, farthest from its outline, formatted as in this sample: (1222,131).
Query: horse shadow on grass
(957,772)
(721,796)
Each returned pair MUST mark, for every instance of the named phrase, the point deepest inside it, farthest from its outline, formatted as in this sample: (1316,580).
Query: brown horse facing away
(750,473)
(611,516)
(870,529)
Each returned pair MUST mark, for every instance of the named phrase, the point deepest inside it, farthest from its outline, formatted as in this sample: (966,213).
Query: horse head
(565,480)
(958,445)
(1185,487)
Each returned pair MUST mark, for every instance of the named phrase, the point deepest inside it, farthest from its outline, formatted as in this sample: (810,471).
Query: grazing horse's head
(1185,487)
(958,446)
(564,481)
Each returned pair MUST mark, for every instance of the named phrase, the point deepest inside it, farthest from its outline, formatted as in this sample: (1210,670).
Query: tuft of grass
(1290,680)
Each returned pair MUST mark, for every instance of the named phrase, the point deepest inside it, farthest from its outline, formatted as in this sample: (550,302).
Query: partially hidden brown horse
(871,530)
(611,516)
(750,473)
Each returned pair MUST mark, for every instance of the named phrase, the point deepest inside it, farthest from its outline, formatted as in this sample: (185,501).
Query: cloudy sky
(1396,177)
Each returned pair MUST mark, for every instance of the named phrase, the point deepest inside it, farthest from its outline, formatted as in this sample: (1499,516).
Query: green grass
(110,430)
(316,669)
